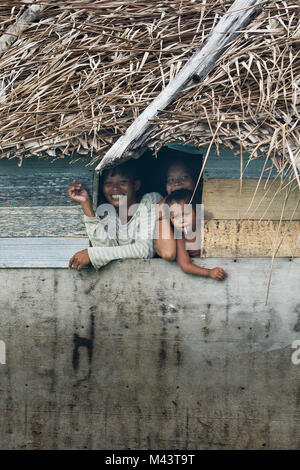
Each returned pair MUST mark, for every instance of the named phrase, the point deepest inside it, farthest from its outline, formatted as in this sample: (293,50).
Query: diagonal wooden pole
(13,32)
(238,16)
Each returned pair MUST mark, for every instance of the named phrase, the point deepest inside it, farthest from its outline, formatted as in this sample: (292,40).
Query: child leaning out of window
(183,220)
(125,227)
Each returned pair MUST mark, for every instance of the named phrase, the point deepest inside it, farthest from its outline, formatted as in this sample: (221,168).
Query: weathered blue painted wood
(227,164)
(41,182)
(39,252)
(42,221)
(33,165)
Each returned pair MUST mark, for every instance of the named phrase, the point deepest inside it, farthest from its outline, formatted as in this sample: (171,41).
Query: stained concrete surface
(141,356)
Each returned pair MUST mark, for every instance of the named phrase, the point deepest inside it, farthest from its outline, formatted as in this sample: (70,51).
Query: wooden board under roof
(41,181)
(227,199)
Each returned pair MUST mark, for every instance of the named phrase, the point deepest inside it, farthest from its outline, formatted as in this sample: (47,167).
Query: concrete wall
(142,356)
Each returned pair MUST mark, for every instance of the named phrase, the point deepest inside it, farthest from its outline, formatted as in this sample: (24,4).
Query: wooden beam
(42,221)
(251,239)
(41,252)
(264,200)
(13,32)
(239,15)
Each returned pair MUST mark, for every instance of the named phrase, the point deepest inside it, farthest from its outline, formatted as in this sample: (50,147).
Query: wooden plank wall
(34,200)
(34,203)
(39,224)
(249,218)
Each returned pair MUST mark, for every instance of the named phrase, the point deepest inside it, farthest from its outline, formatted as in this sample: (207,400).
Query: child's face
(178,177)
(182,216)
(116,188)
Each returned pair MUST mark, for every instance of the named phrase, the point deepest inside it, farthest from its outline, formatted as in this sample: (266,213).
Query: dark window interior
(153,170)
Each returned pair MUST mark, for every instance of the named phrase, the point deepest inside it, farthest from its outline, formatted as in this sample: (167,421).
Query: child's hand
(79,260)
(78,193)
(217,273)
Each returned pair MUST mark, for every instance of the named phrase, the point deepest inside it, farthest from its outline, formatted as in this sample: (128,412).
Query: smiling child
(132,217)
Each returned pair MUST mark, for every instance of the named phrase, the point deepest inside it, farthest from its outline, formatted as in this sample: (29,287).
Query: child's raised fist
(78,193)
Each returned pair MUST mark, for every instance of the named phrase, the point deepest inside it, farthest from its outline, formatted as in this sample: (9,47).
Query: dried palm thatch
(82,71)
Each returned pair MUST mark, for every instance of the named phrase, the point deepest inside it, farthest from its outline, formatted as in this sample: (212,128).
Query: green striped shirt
(135,239)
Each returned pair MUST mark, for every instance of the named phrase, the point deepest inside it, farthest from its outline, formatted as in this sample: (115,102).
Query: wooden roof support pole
(238,16)
(13,32)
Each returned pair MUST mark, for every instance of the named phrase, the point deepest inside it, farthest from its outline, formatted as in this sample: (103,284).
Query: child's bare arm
(183,259)
(79,194)
(165,243)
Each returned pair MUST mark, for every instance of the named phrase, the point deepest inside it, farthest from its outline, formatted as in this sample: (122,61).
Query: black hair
(180,195)
(193,164)
(129,169)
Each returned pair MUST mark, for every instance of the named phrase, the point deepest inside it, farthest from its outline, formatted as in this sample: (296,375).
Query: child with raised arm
(125,228)
(183,220)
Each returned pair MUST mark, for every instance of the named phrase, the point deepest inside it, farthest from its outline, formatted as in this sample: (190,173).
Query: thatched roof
(82,71)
